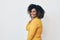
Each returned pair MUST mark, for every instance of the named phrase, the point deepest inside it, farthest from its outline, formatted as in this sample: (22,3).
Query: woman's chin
(33,17)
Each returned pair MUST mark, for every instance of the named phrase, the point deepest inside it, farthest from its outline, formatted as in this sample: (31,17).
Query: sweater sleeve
(32,31)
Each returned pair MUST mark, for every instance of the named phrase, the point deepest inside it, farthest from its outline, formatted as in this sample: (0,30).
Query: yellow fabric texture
(34,29)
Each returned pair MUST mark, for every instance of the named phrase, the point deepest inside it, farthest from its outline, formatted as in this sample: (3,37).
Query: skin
(33,13)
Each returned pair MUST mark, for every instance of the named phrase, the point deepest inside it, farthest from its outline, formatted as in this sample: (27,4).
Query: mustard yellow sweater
(34,29)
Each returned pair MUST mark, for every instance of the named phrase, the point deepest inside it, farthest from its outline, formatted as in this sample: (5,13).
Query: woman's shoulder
(37,20)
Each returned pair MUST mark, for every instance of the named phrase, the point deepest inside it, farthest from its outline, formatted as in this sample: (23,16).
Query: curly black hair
(39,9)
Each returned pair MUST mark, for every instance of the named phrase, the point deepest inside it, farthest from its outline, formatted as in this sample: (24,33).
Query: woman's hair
(39,9)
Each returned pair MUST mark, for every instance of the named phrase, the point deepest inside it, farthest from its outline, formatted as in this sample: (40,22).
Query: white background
(14,17)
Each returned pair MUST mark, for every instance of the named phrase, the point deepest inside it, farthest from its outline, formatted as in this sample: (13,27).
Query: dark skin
(33,14)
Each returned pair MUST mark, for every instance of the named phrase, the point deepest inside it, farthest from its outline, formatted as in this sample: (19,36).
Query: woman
(34,26)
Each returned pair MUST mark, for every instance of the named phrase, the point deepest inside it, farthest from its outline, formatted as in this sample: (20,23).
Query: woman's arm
(32,31)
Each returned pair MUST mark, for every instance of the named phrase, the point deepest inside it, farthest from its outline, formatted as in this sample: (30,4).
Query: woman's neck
(33,18)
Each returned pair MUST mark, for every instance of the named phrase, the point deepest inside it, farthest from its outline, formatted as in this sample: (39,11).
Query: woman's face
(33,13)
